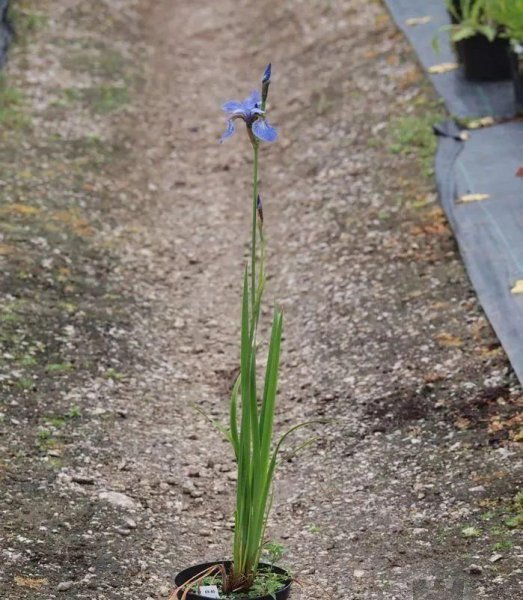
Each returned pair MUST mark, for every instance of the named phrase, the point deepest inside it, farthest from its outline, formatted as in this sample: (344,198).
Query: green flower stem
(255,146)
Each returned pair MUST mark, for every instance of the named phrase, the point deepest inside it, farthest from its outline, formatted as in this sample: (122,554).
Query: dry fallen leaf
(519,172)
(418,21)
(370,54)
(34,583)
(514,421)
(436,223)
(443,68)
(488,352)
(5,249)
(478,123)
(488,502)
(433,377)
(409,78)
(462,423)
(436,213)
(382,20)
(78,224)
(439,305)
(473,197)
(436,228)
(517,288)
(495,425)
(21,209)
(448,340)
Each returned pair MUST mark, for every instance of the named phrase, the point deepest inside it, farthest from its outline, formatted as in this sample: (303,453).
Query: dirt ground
(123,234)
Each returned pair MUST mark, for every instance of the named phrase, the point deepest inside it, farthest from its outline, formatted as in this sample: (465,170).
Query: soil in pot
(484,60)
(516,63)
(271,582)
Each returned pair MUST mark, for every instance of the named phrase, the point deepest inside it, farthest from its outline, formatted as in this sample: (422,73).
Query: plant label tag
(209,591)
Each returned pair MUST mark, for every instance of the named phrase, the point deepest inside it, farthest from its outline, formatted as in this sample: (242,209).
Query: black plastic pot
(516,63)
(484,60)
(189,573)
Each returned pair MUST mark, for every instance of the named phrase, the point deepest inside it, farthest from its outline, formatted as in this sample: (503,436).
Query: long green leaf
(233,417)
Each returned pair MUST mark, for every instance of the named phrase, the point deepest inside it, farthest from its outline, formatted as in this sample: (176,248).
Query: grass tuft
(412,135)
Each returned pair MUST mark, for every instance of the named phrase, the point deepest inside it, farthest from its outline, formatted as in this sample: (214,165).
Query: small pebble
(83,479)
(475,570)
(65,585)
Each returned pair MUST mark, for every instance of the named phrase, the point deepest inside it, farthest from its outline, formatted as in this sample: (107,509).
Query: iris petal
(264,131)
(234,107)
(229,131)
(253,100)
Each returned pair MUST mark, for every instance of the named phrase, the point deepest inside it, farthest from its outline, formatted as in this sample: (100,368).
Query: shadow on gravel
(470,410)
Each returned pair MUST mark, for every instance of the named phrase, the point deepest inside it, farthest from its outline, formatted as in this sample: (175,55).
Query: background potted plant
(454,8)
(509,15)
(478,39)
(251,413)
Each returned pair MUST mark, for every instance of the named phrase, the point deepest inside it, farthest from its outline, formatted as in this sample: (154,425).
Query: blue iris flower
(249,111)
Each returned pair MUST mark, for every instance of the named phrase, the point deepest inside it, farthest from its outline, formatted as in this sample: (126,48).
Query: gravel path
(413,480)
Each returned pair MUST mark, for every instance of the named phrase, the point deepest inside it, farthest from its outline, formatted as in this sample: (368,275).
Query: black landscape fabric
(464,99)
(489,231)
(5,31)
(489,226)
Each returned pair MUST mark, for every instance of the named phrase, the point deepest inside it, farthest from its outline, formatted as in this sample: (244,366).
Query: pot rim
(208,564)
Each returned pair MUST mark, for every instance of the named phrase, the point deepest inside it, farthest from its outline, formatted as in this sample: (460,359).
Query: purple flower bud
(266,82)
(267,74)
(259,207)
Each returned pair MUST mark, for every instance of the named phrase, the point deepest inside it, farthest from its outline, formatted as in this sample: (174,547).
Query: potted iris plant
(251,410)
(479,40)
(509,15)
(454,8)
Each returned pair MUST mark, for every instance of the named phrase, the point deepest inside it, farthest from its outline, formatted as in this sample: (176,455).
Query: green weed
(101,99)
(24,383)
(114,374)
(11,107)
(74,412)
(25,20)
(412,135)
(105,99)
(55,421)
(107,63)
(470,532)
(59,367)
(503,545)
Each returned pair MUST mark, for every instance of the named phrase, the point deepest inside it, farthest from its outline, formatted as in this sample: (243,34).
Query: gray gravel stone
(64,586)
(475,569)
(119,500)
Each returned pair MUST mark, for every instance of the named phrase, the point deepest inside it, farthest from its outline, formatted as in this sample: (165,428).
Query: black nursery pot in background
(484,60)
(189,573)
(516,63)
